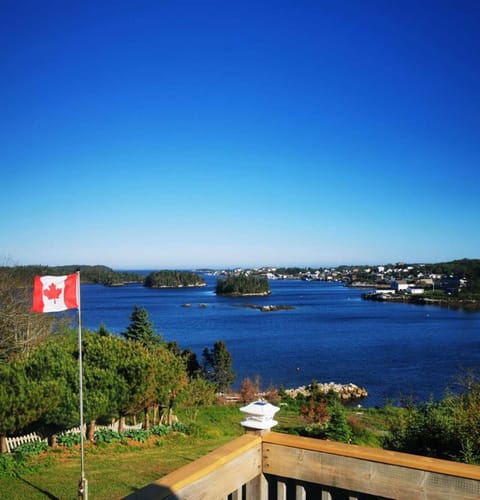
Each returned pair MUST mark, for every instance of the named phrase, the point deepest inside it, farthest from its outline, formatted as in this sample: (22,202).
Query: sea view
(393,350)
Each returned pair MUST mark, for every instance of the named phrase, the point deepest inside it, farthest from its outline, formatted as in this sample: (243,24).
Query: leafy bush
(198,431)
(447,429)
(33,448)
(139,435)
(107,436)
(69,439)
(12,464)
(160,430)
(180,427)
(317,431)
(7,465)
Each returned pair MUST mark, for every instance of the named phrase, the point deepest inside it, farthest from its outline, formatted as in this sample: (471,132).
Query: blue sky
(176,134)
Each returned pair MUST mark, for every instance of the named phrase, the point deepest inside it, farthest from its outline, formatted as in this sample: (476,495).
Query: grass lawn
(115,470)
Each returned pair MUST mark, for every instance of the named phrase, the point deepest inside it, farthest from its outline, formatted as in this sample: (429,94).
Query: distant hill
(88,274)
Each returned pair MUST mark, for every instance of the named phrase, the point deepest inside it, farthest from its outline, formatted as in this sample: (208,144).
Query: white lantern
(259,415)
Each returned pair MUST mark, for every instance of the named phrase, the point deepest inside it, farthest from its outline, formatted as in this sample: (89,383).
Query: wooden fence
(13,442)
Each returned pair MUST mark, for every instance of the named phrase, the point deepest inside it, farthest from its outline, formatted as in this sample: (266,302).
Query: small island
(173,279)
(267,308)
(242,285)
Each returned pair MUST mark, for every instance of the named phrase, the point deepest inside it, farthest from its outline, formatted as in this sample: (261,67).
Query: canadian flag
(55,293)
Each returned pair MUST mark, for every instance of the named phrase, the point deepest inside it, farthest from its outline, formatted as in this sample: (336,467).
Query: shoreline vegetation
(448,302)
(453,284)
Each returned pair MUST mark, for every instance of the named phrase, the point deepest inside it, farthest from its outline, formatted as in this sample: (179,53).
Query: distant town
(450,282)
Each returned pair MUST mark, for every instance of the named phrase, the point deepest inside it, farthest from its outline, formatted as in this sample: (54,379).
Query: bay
(393,350)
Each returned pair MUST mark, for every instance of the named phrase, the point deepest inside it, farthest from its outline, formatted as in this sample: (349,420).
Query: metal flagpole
(83,484)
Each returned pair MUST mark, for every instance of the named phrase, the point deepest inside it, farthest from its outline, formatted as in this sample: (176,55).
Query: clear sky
(176,134)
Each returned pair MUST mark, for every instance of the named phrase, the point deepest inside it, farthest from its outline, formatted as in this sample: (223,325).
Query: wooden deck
(280,466)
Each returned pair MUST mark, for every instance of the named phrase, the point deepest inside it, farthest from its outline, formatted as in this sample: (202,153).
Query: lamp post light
(259,417)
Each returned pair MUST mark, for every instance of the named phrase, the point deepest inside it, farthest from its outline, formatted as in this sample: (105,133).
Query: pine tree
(141,328)
(338,428)
(23,399)
(102,330)
(218,366)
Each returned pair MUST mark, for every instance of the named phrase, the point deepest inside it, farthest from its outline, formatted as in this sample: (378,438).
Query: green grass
(116,470)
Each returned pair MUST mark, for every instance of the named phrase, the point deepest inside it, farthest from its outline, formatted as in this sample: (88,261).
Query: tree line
(104,275)
(101,275)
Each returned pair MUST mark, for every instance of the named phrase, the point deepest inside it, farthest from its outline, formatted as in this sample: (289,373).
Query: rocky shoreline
(345,392)
(451,302)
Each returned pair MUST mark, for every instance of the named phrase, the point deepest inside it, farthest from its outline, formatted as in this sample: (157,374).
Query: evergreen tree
(218,366)
(102,330)
(23,399)
(135,388)
(169,378)
(100,363)
(141,328)
(57,360)
(190,358)
(192,364)
(338,428)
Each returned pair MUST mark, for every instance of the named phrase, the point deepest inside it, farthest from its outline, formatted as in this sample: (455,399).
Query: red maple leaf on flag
(52,292)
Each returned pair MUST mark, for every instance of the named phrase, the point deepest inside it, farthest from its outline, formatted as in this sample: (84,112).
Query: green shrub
(69,439)
(160,430)
(107,436)
(7,465)
(433,429)
(317,431)
(180,427)
(33,448)
(139,435)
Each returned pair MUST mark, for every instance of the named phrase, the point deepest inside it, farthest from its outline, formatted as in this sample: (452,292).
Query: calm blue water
(331,335)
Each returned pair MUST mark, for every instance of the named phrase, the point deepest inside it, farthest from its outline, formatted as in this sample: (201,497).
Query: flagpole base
(82,489)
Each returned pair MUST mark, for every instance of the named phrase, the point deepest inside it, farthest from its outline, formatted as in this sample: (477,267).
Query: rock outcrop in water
(345,392)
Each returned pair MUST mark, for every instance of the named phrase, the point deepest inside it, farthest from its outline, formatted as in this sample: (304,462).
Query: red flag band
(55,293)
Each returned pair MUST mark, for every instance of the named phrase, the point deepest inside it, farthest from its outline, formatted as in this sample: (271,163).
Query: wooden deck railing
(233,469)
(279,466)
